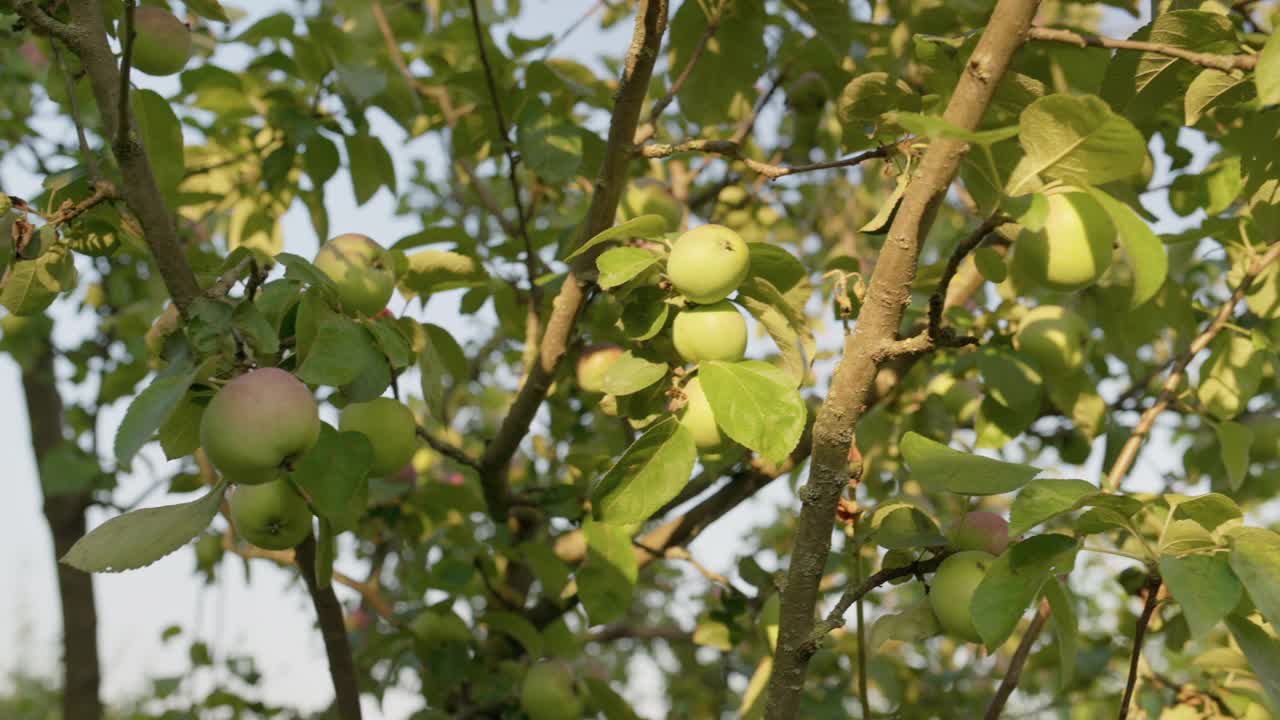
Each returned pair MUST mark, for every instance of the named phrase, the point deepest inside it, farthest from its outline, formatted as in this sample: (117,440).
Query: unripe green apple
(208,551)
(647,196)
(272,516)
(548,694)
(1053,336)
(434,628)
(594,364)
(710,332)
(257,423)
(391,429)
(708,263)
(698,418)
(1073,248)
(361,270)
(161,44)
(981,530)
(807,93)
(952,589)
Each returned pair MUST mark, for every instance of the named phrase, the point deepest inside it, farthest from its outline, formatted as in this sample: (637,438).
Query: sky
(270,618)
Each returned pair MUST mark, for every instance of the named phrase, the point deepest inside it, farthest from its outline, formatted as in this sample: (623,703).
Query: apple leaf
(1204,586)
(788,326)
(516,627)
(1267,74)
(161,134)
(912,625)
(1077,139)
(620,264)
(898,526)
(1067,626)
(1263,652)
(1012,582)
(644,226)
(607,578)
(180,433)
(150,409)
(756,404)
(332,471)
(1045,499)
(140,537)
(653,470)
(935,126)
(645,313)
(1143,249)
(630,374)
(938,467)
(1234,440)
(1255,557)
(336,354)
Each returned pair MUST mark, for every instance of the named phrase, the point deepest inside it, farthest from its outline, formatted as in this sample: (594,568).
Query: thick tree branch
(651,23)
(139,183)
(1139,634)
(1019,660)
(878,321)
(1169,391)
(342,668)
(1225,63)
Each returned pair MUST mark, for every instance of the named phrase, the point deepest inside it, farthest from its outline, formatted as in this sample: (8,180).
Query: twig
(1168,392)
(730,148)
(682,553)
(126,64)
(102,191)
(1225,63)
(447,449)
(1139,633)
(228,279)
(1011,677)
(618,631)
(90,160)
(342,668)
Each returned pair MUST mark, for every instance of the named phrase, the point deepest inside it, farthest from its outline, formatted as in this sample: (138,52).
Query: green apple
(272,516)
(708,263)
(161,43)
(361,270)
(391,428)
(1054,337)
(710,332)
(593,364)
(433,628)
(1073,248)
(807,93)
(647,196)
(951,592)
(548,694)
(698,418)
(258,423)
(981,530)
(208,551)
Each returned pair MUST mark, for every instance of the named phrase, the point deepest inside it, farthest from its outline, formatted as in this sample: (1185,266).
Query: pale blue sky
(267,619)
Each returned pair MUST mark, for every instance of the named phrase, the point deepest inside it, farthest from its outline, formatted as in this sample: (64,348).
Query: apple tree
(964,315)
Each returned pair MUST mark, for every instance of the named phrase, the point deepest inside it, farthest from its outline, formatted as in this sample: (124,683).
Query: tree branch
(1225,63)
(878,322)
(1139,633)
(447,449)
(334,631)
(1169,391)
(139,183)
(1010,680)
(731,148)
(651,23)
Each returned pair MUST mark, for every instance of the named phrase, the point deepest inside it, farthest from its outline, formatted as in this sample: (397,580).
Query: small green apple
(593,364)
(391,428)
(257,423)
(208,551)
(433,628)
(1073,248)
(981,530)
(272,516)
(708,263)
(1054,337)
(361,270)
(952,589)
(548,693)
(710,332)
(698,418)
(647,196)
(161,43)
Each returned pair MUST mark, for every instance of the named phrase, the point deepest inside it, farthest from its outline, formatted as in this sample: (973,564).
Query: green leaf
(551,147)
(1045,499)
(1263,652)
(1255,557)
(630,374)
(391,341)
(1210,511)
(785,323)
(1212,88)
(609,702)
(940,468)
(1143,249)
(1267,73)
(653,470)
(301,269)
(332,472)
(1012,582)
(33,285)
(148,411)
(720,87)
(644,313)
(180,434)
(362,82)
(442,363)
(161,135)
(912,625)
(1066,625)
(518,628)
(138,538)
(935,126)
(371,166)
(620,264)
(1204,586)
(431,271)
(211,9)
(607,578)
(1079,140)
(337,354)
(320,159)
(897,526)
(644,226)
(756,404)
(67,470)
(1234,440)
